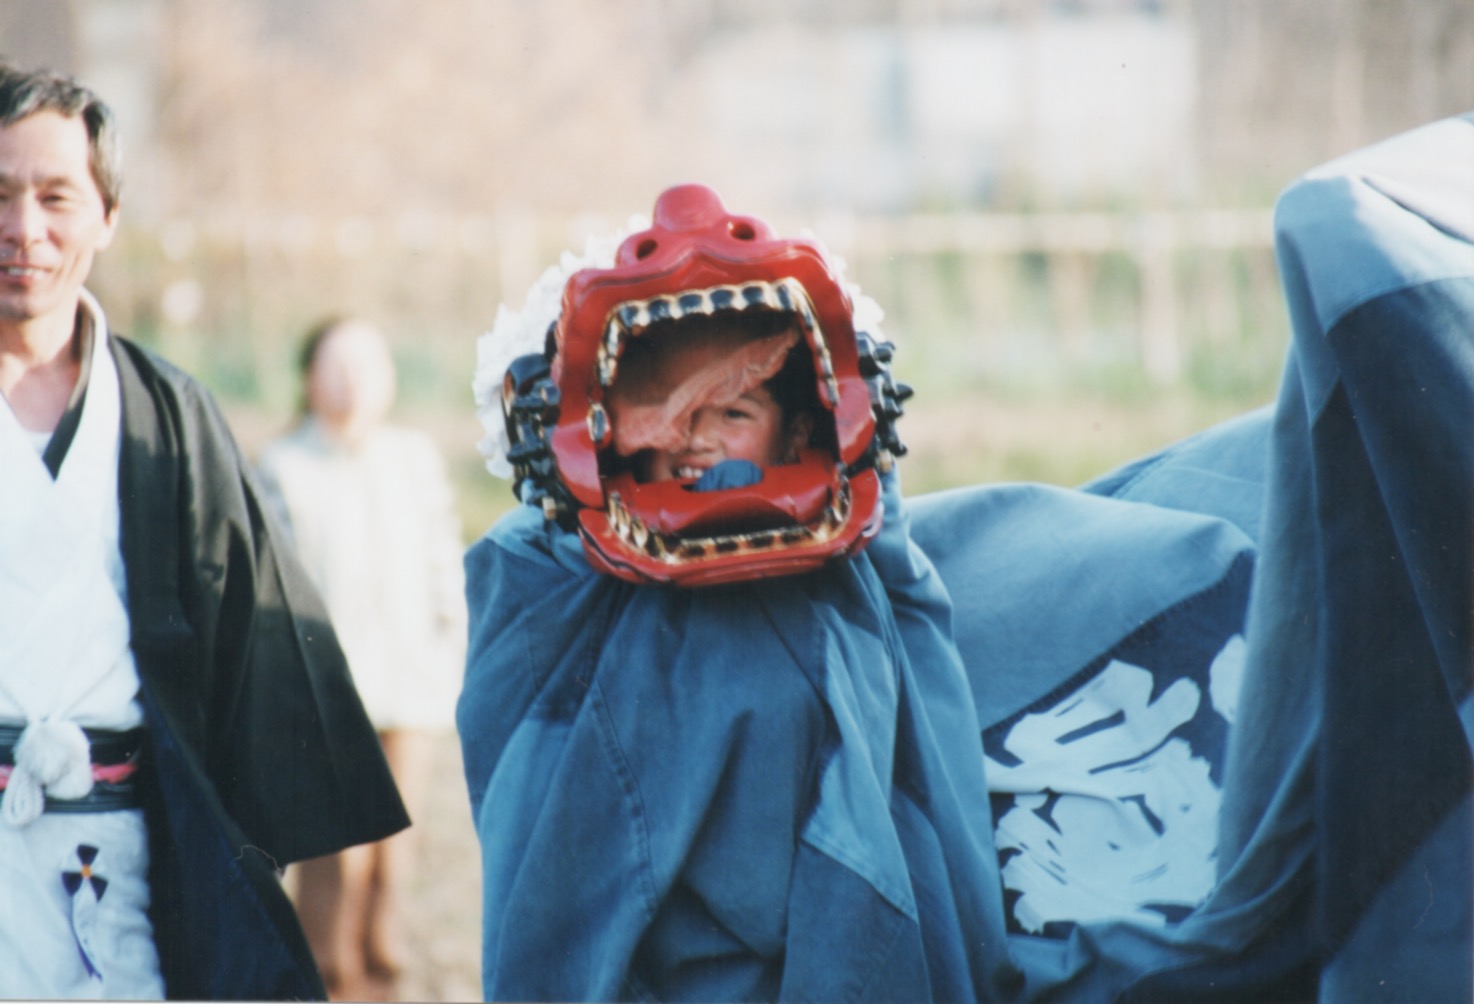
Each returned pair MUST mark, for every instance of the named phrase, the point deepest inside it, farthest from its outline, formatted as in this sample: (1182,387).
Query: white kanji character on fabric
(1114,817)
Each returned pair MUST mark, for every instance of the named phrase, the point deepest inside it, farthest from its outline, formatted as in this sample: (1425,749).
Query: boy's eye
(737,414)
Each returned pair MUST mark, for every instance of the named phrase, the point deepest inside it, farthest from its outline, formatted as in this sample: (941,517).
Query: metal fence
(1066,292)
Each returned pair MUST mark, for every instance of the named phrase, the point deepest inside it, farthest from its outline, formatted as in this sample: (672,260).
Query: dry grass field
(443,908)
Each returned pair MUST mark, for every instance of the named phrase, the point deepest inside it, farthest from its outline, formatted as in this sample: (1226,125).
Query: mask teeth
(633,316)
(639,532)
(759,294)
(797,302)
(633,532)
(655,547)
(795,536)
(598,423)
(786,295)
(619,516)
(806,315)
(609,349)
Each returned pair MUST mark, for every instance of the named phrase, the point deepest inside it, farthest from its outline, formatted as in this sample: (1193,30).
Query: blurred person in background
(371,510)
(177,721)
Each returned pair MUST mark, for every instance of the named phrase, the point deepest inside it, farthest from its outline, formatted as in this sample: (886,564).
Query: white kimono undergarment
(73,886)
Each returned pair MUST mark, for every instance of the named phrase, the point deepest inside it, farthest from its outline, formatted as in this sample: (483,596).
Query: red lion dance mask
(699,261)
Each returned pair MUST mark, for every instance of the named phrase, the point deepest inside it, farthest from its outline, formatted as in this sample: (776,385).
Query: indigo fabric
(1362,697)
(1218,472)
(1345,841)
(745,792)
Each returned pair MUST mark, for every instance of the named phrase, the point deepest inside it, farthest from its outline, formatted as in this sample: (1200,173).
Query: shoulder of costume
(172,390)
(524,533)
(1384,218)
(154,368)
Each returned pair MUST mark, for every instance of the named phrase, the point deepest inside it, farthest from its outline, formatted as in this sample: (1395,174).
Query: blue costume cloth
(1249,655)
(746,792)
(1351,768)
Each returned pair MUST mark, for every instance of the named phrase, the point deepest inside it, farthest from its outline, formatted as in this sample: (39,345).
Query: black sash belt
(115,761)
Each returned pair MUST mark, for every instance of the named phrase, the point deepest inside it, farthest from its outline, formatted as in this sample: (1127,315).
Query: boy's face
(689,401)
(749,428)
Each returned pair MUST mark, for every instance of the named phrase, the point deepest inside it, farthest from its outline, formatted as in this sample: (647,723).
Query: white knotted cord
(51,757)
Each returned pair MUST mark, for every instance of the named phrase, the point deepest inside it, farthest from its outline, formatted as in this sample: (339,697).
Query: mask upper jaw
(697,259)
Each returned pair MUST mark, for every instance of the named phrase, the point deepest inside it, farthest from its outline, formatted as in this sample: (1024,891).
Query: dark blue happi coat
(1200,730)
(748,792)
(1355,750)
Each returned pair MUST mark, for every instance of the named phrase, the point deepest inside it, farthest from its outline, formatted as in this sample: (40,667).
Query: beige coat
(376,529)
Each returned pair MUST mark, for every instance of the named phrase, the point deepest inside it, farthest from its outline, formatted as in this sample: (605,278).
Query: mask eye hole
(742,231)
(646,248)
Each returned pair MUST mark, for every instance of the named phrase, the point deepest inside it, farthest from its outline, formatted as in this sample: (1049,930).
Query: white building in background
(875,105)
(885,105)
(891,117)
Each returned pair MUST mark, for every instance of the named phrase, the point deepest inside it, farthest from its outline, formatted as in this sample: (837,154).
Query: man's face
(52,220)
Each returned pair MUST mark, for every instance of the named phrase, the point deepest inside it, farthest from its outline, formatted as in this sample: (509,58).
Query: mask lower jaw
(796,520)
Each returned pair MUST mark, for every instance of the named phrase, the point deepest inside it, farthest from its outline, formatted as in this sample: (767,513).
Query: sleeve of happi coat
(290,749)
(1351,757)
